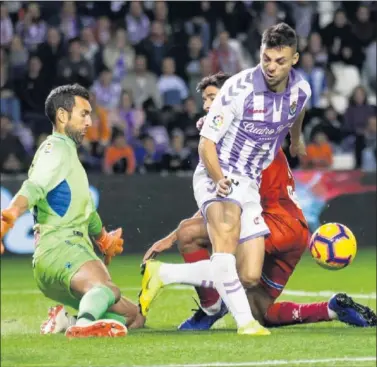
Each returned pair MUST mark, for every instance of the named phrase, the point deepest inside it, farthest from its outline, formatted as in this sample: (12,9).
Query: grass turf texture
(23,309)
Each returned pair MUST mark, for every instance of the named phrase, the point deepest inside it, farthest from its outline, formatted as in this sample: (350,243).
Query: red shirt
(277,190)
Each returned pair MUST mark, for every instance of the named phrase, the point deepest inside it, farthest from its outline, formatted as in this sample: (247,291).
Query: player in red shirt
(289,230)
(283,250)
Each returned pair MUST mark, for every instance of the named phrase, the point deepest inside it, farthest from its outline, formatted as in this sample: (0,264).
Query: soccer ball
(333,246)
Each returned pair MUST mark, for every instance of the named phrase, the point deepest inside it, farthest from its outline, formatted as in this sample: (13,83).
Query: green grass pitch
(23,309)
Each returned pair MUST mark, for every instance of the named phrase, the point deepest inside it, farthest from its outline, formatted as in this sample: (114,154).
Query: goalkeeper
(66,268)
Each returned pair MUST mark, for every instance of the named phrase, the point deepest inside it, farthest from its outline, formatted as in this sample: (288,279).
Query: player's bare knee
(249,281)
(115,290)
(184,236)
(186,247)
(248,278)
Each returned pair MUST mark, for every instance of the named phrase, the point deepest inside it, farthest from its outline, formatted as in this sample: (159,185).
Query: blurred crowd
(142,61)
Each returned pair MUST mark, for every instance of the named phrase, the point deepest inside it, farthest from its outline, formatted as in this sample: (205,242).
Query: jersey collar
(260,85)
(65,138)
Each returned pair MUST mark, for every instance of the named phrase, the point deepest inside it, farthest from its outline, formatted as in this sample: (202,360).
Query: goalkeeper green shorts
(56,260)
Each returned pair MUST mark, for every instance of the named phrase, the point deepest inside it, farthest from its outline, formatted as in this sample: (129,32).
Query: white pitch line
(287,292)
(300,293)
(267,363)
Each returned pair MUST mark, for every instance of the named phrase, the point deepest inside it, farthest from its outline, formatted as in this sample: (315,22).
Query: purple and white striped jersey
(248,122)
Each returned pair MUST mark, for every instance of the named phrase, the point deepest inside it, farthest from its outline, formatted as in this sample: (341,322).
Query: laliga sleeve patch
(217,122)
(48,148)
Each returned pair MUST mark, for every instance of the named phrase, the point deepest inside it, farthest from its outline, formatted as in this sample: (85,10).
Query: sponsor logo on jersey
(260,110)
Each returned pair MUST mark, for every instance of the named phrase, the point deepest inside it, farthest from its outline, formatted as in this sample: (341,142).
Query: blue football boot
(201,321)
(352,313)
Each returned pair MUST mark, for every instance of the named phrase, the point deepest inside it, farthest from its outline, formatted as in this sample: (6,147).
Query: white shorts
(244,193)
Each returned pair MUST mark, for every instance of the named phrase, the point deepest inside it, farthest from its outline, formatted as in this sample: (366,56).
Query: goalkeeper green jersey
(57,189)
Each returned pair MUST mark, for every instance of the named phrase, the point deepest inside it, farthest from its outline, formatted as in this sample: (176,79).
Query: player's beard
(76,135)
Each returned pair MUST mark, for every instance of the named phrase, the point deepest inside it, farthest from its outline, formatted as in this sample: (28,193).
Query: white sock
(197,274)
(72,321)
(227,283)
(332,314)
(82,322)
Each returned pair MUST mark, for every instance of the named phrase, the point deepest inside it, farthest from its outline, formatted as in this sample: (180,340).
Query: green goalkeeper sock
(94,304)
(115,316)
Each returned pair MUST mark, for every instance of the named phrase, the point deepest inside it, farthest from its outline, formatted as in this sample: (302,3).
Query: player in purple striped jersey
(243,131)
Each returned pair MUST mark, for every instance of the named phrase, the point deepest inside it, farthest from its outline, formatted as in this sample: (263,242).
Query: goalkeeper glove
(110,243)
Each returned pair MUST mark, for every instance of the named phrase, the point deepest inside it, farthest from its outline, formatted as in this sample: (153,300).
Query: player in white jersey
(242,133)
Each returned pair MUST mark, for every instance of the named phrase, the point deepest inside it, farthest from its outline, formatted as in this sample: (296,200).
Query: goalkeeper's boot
(57,322)
(253,328)
(200,320)
(150,286)
(99,328)
(352,313)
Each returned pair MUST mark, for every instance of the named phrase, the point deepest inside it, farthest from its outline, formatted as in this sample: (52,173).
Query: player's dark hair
(215,80)
(279,35)
(63,97)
